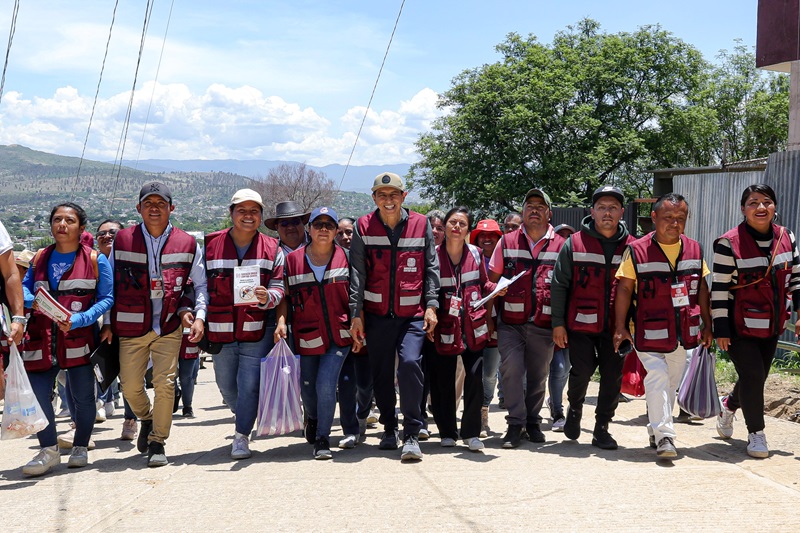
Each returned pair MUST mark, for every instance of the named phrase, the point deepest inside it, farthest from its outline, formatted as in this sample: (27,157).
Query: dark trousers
(401,336)
(428,353)
(355,391)
(752,359)
(442,370)
(187,376)
(80,399)
(588,353)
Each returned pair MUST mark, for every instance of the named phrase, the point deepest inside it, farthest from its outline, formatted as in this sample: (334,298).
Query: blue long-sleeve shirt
(57,265)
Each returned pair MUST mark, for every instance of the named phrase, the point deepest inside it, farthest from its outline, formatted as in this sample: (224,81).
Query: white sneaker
(447,442)
(65,439)
(109,409)
(42,462)
(474,444)
(725,420)
(101,415)
(372,417)
(78,458)
(666,448)
(241,447)
(348,441)
(63,413)
(558,425)
(424,434)
(757,445)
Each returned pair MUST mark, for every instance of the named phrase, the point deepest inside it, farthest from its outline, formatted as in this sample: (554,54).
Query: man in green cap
(524,336)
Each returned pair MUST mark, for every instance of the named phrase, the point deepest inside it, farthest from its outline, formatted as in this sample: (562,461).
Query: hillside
(31,182)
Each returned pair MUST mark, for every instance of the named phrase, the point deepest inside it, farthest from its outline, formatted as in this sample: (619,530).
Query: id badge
(680,296)
(455,306)
(156,288)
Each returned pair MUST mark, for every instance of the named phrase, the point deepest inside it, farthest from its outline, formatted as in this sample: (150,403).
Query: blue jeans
(355,392)
(187,375)
(559,373)
(319,375)
(238,373)
(491,362)
(80,400)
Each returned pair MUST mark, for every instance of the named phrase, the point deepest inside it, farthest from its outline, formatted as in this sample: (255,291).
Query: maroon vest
(660,327)
(466,282)
(132,314)
(76,292)
(395,275)
(590,309)
(760,306)
(226,322)
(320,311)
(517,306)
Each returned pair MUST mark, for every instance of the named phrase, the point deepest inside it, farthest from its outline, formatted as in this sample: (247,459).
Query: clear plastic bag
(22,414)
(279,411)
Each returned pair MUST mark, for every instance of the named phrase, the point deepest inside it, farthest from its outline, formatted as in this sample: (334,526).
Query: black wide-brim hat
(287,210)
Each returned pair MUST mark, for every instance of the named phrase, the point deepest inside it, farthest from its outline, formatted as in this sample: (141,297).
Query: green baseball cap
(540,193)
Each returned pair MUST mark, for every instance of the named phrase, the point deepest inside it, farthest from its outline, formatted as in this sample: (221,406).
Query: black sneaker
(156,455)
(144,435)
(602,438)
(513,436)
(572,427)
(653,441)
(177,401)
(322,449)
(534,433)
(501,403)
(310,430)
(389,440)
(188,412)
(683,417)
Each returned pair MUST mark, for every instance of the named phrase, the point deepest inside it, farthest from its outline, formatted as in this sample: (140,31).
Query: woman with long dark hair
(462,331)
(80,279)
(756,269)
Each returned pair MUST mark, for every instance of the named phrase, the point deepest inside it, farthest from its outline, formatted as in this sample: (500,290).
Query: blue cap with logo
(326,211)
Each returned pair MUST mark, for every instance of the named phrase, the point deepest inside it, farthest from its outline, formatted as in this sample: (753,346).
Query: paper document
(49,306)
(245,281)
(502,283)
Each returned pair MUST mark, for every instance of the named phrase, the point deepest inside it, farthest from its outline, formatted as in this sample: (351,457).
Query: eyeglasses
(318,225)
(105,232)
(290,222)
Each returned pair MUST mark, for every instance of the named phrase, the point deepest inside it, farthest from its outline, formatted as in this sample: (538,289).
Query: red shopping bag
(633,374)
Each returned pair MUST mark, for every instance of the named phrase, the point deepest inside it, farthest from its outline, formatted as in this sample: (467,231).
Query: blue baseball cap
(320,211)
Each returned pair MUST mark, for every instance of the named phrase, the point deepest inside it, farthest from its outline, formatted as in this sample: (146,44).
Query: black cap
(608,190)
(155,187)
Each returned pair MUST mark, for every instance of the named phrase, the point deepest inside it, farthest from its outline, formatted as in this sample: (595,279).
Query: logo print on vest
(411,265)
(179,281)
(76,306)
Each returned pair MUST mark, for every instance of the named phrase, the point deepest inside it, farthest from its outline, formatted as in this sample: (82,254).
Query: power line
(374,87)
(126,124)
(11,33)
(94,104)
(155,81)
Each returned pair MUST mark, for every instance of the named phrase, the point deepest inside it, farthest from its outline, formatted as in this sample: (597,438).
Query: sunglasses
(318,225)
(105,232)
(290,222)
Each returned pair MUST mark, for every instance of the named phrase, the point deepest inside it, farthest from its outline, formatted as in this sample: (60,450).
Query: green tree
(566,116)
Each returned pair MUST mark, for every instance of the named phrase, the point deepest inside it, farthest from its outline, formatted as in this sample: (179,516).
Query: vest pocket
(655,329)
(754,320)
(448,338)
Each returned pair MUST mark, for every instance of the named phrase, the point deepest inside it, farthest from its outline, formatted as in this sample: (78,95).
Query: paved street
(557,486)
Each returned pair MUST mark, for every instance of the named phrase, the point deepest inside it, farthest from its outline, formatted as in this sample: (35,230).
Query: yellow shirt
(626,269)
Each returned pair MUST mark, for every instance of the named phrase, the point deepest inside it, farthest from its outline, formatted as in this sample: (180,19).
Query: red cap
(488,225)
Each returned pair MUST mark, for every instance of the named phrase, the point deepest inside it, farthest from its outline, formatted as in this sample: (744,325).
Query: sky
(283,80)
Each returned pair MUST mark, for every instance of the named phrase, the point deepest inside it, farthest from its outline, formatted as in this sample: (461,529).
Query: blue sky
(284,80)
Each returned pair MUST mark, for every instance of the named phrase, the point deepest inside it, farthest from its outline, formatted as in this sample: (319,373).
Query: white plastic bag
(279,411)
(22,414)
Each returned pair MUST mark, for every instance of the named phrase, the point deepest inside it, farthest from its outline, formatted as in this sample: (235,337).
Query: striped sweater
(725,275)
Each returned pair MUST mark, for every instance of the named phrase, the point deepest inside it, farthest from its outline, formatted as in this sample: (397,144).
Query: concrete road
(557,486)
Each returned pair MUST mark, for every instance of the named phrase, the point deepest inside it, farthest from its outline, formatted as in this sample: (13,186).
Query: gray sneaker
(411,451)
(362,430)
(42,462)
(666,448)
(156,455)
(79,457)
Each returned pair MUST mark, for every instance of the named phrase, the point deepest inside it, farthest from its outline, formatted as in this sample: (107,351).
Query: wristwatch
(19,320)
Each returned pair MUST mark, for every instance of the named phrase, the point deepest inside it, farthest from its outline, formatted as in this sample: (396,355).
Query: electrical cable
(11,33)
(124,135)
(94,104)
(155,81)
(369,104)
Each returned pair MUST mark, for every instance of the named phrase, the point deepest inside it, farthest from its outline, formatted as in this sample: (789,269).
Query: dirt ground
(781,396)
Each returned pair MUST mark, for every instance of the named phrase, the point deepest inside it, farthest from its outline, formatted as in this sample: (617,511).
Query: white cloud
(219,123)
